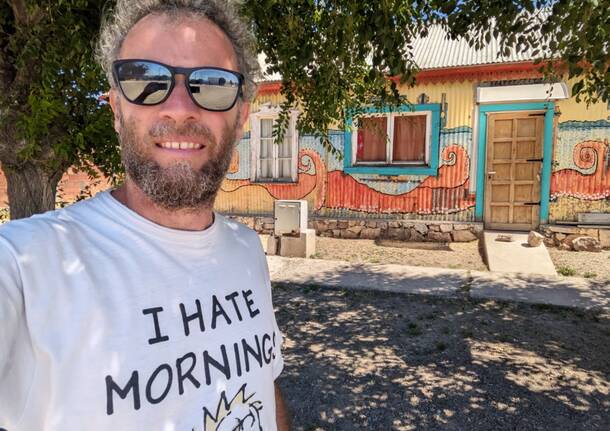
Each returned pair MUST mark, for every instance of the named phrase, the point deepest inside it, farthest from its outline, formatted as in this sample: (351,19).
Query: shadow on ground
(359,360)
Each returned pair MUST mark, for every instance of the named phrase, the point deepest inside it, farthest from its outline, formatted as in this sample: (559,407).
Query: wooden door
(513,169)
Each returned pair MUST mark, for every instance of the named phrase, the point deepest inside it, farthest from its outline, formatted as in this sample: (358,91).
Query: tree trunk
(31,190)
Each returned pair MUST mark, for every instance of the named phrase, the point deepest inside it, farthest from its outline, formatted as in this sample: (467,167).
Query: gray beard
(179,186)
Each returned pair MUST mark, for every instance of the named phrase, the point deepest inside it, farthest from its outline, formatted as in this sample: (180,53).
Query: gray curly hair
(223,13)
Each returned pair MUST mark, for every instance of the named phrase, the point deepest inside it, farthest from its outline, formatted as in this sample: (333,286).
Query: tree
(335,56)
(50,114)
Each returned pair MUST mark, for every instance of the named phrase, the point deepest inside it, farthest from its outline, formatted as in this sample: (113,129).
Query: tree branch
(20,11)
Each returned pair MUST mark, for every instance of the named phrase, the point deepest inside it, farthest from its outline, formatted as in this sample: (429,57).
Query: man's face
(177,178)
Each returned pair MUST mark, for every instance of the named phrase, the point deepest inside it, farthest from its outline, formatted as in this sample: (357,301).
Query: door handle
(490,174)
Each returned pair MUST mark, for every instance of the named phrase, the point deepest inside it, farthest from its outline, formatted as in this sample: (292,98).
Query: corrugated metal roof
(437,51)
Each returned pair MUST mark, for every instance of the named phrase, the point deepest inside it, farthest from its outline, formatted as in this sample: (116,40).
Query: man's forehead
(184,38)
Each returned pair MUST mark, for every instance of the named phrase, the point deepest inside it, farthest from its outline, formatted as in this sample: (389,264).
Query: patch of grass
(465,288)
(311,288)
(277,285)
(589,274)
(566,271)
(413,329)
(345,292)
(504,337)
(445,330)
(467,333)
(544,307)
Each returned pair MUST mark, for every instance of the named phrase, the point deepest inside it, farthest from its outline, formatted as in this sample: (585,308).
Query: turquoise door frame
(547,152)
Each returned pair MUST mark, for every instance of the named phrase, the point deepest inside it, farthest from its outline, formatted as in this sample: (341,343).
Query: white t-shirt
(111,322)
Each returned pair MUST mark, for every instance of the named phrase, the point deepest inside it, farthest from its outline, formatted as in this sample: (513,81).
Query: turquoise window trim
(430,169)
(547,153)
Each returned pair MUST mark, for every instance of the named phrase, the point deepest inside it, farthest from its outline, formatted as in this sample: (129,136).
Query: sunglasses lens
(144,82)
(216,90)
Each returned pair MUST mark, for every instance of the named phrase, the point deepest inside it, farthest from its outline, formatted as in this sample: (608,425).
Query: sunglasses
(148,83)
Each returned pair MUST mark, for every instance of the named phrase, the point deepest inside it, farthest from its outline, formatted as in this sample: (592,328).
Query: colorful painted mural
(591,179)
(311,183)
(579,181)
(331,192)
(581,174)
(579,177)
(447,192)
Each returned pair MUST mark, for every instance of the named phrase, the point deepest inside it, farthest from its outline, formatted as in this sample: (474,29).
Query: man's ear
(244,115)
(113,100)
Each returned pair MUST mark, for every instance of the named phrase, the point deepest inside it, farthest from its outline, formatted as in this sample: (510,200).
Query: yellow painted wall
(573,111)
(459,95)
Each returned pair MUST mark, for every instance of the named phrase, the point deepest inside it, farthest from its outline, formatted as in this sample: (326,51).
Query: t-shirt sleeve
(16,355)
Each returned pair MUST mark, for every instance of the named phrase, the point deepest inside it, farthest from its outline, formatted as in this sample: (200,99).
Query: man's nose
(179,106)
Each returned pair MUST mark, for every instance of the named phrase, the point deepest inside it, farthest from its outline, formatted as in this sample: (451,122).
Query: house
(487,142)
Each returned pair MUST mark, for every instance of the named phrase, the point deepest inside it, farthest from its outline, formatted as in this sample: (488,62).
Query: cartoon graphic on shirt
(242,413)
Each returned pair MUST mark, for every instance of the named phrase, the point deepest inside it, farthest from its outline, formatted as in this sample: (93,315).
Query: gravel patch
(380,361)
(453,255)
(595,266)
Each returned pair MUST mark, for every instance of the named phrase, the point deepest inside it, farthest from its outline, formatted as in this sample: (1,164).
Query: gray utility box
(290,217)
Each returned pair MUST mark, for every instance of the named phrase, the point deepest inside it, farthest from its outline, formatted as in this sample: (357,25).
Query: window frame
(267,112)
(388,167)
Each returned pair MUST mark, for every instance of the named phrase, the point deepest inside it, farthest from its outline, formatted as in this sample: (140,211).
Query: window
(408,143)
(395,143)
(273,162)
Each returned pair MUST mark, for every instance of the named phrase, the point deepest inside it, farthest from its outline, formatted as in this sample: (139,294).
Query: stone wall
(403,230)
(562,236)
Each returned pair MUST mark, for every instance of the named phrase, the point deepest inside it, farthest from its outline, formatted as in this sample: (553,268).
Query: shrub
(566,271)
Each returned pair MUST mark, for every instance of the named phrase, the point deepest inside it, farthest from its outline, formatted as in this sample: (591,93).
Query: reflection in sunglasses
(151,88)
(149,83)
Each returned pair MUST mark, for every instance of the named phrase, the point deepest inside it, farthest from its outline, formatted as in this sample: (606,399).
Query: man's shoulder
(39,228)
(238,231)
(234,224)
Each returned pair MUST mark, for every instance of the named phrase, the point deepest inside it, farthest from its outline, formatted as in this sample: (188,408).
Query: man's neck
(136,200)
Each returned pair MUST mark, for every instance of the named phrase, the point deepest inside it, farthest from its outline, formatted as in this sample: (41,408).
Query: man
(142,309)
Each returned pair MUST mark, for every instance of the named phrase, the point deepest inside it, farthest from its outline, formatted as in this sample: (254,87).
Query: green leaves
(336,55)
(50,101)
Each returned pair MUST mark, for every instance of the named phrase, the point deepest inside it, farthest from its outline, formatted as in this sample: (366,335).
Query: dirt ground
(595,266)
(454,255)
(379,361)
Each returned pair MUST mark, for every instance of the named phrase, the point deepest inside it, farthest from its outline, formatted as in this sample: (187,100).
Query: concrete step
(516,256)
